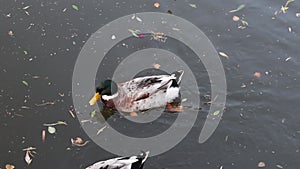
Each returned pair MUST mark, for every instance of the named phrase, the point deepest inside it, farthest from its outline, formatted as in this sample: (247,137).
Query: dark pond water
(261,119)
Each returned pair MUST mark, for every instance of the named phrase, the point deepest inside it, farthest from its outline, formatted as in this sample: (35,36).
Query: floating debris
(257,74)
(284,8)
(29,154)
(235,18)
(224,55)
(138,19)
(78,142)
(51,130)
(261,165)
(75,7)
(290,29)
(184,100)
(238,8)
(297,14)
(134,32)
(156,65)
(43,135)
(25,83)
(159,36)
(101,130)
(10,33)
(287,59)
(26,7)
(133,114)
(217,112)
(156,5)
(113,37)
(9,166)
(45,104)
(193,5)
(72,114)
(279,166)
(54,124)
(170,12)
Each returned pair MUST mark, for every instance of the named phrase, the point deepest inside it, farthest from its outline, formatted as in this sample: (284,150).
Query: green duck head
(107,88)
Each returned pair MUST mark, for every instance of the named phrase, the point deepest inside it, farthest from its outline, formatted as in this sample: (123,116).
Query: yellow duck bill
(95,98)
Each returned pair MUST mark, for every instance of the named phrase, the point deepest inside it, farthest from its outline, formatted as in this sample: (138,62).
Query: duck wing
(133,162)
(144,87)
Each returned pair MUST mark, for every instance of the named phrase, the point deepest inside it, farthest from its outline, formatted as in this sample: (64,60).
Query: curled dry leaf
(78,142)
(9,166)
(261,164)
(27,158)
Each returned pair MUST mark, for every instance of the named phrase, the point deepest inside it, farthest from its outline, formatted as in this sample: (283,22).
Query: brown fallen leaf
(43,136)
(133,114)
(297,14)
(27,158)
(9,166)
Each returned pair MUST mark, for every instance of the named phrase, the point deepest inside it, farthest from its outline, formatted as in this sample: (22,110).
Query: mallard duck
(133,162)
(142,93)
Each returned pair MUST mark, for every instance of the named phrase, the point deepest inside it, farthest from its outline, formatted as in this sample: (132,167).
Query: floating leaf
(170,12)
(27,158)
(184,100)
(100,130)
(297,14)
(261,164)
(156,65)
(25,83)
(9,166)
(156,5)
(257,74)
(78,142)
(51,130)
(238,8)
(279,166)
(75,7)
(43,135)
(139,19)
(93,113)
(235,18)
(223,54)
(217,112)
(134,32)
(245,22)
(133,114)
(10,33)
(193,5)
(26,7)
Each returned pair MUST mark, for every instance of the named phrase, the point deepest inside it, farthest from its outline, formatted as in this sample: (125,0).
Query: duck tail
(144,156)
(178,74)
